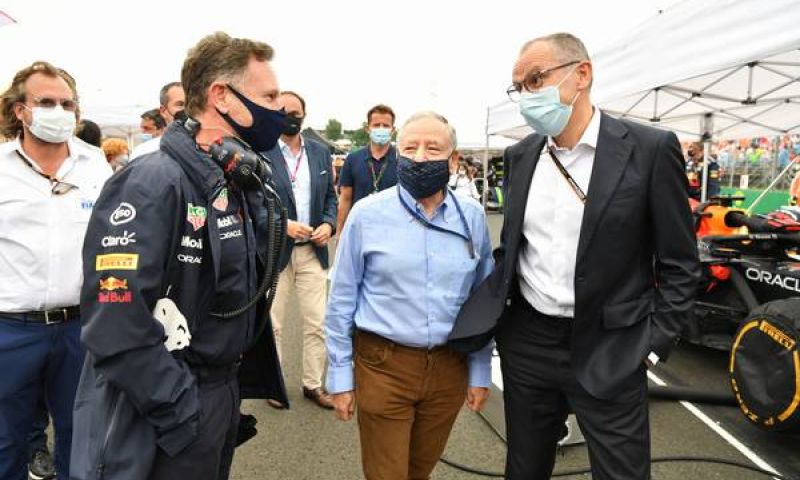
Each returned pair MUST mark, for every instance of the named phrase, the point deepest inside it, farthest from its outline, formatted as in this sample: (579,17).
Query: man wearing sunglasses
(48,185)
(595,274)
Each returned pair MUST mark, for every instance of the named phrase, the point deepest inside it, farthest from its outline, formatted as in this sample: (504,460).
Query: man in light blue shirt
(408,259)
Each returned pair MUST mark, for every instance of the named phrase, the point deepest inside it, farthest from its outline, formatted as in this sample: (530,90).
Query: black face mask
(179,115)
(267,125)
(293,125)
(423,179)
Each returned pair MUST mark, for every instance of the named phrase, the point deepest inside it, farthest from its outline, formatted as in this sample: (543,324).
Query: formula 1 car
(749,304)
(747,261)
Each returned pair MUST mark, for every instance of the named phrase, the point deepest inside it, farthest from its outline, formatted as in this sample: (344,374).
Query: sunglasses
(59,187)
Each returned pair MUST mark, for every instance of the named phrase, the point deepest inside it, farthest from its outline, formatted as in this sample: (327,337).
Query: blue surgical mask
(380,136)
(543,110)
(144,137)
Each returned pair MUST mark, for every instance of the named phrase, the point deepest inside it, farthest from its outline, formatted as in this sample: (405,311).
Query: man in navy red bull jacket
(170,241)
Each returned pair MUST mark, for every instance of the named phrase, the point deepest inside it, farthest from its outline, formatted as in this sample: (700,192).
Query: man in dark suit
(304,180)
(596,270)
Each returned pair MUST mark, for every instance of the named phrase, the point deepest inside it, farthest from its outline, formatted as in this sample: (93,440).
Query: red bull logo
(114,290)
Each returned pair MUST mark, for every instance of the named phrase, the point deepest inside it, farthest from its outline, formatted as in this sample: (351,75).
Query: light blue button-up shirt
(397,278)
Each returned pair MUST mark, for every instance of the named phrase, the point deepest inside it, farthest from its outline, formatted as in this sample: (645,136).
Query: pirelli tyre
(765,366)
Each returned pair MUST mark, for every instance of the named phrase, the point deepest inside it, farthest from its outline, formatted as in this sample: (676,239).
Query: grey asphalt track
(307,442)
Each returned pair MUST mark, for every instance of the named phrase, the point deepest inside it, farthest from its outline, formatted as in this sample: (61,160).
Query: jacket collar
(198,165)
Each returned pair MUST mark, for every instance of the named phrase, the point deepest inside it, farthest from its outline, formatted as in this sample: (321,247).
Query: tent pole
(707,128)
(485,191)
(706,157)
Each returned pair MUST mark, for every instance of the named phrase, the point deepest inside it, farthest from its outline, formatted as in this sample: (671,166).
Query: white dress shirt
(150,146)
(552,225)
(41,234)
(301,188)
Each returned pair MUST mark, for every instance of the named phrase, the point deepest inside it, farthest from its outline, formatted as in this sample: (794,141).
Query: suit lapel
(517,194)
(610,160)
(313,171)
(279,169)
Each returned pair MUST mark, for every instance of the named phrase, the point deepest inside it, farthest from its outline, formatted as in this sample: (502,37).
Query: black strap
(376,181)
(572,183)
(424,221)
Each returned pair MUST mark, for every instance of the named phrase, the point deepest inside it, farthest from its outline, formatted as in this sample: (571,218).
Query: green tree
(359,137)
(333,130)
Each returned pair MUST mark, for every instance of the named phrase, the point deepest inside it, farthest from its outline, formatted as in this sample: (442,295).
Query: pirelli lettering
(784,340)
(116,261)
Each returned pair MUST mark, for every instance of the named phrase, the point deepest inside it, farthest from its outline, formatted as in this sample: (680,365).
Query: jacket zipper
(101,465)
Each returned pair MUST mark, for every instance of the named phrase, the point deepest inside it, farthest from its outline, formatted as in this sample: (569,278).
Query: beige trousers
(305,277)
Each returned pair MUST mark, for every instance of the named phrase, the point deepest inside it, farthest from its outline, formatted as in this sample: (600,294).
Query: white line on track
(742,448)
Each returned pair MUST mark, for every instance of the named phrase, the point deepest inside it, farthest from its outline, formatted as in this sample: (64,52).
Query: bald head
(559,54)
(564,47)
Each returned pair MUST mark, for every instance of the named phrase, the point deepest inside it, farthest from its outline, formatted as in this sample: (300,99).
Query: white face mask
(52,125)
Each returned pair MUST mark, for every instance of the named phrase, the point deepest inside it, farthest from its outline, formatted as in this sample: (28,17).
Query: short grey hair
(429,114)
(567,47)
(163,95)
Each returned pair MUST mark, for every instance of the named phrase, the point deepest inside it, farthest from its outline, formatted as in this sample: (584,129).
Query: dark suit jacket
(323,196)
(637,266)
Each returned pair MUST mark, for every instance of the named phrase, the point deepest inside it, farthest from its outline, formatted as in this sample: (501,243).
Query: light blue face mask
(380,136)
(543,110)
(144,137)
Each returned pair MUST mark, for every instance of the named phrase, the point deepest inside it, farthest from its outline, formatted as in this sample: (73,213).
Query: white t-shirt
(149,146)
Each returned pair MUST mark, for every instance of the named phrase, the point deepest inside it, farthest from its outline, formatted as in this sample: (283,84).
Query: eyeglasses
(533,81)
(47,102)
(59,187)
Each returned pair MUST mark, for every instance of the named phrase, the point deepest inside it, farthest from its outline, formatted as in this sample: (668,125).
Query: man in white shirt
(171,100)
(596,271)
(304,180)
(49,182)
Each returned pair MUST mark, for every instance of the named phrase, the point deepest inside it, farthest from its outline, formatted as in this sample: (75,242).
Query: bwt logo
(124,213)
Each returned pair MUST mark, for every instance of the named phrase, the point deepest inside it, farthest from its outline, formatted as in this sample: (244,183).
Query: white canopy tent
(703,68)
(118,121)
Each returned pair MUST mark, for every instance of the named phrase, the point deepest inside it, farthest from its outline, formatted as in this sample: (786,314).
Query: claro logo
(774,279)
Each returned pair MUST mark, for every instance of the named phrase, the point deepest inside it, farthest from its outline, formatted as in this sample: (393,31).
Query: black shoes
(41,466)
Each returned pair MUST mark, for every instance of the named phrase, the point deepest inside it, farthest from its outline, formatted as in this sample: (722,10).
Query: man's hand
(321,235)
(298,231)
(476,398)
(344,404)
